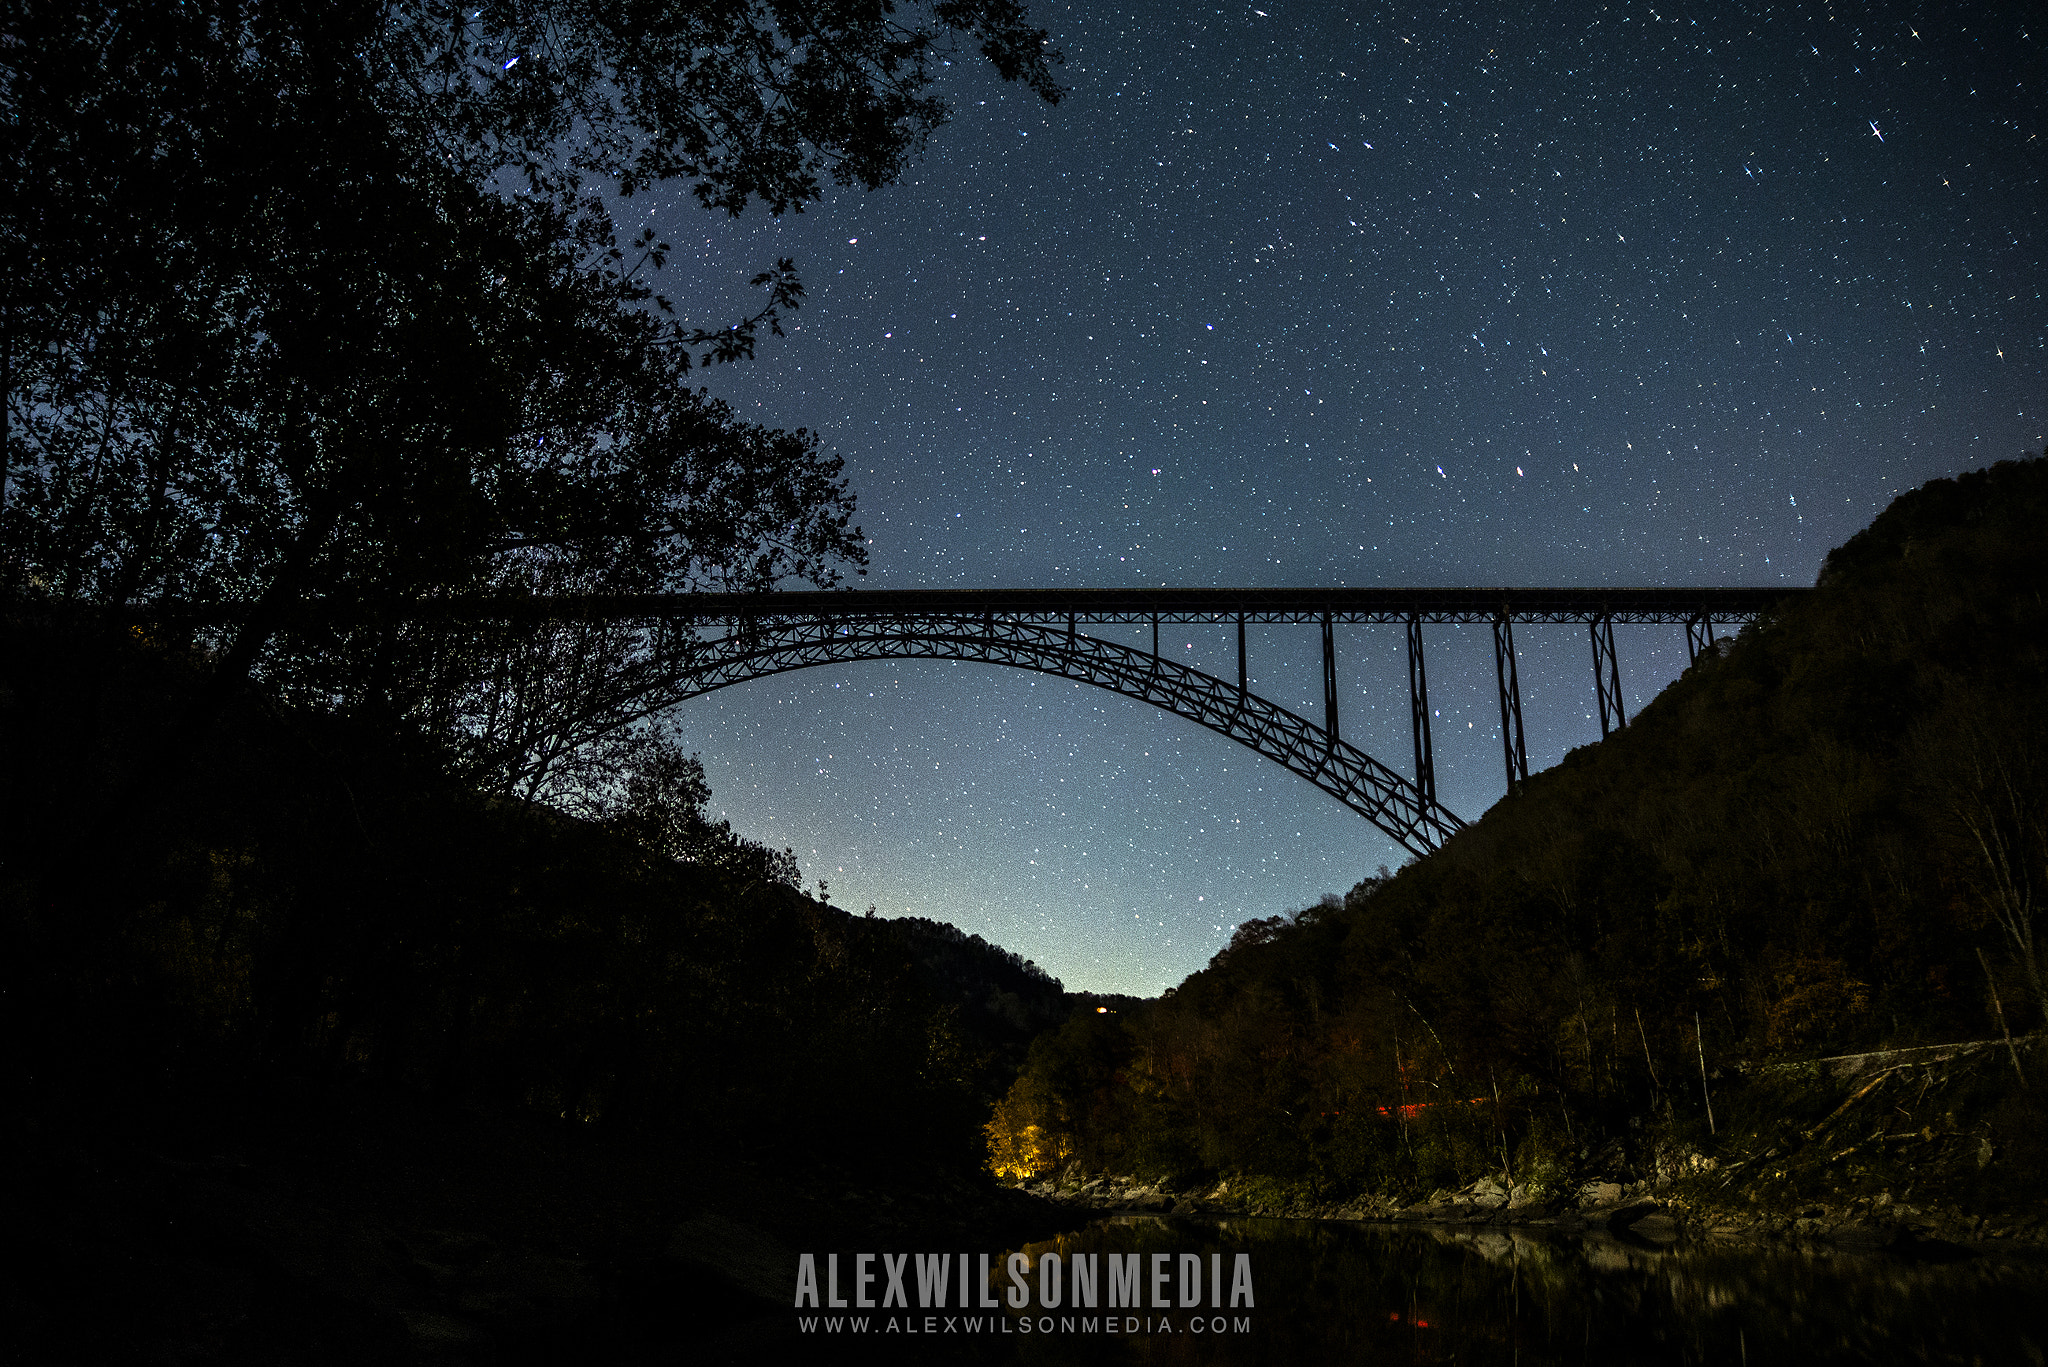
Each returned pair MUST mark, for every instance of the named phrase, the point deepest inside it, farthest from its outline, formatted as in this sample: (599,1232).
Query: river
(1333,1292)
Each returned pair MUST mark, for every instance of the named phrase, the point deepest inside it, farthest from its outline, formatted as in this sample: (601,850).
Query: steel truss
(1509,684)
(685,668)
(1142,607)
(1606,676)
(1699,636)
(1038,629)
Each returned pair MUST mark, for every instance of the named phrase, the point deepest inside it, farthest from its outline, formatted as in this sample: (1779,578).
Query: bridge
(706,641)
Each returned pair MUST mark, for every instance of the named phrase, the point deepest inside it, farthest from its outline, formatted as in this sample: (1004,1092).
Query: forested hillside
(339,318)
(283,898)
(1831,835)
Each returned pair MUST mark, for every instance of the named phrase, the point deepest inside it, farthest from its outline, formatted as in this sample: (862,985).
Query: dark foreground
(1331,1292)
(347,1229)
(359,1227)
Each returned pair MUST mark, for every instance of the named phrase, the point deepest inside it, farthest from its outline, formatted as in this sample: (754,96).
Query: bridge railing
(1309,606)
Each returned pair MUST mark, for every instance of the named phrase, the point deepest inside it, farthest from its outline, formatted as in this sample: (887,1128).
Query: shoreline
(1645,1214)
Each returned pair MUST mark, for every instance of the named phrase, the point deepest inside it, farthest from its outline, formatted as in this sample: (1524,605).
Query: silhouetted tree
(319,304)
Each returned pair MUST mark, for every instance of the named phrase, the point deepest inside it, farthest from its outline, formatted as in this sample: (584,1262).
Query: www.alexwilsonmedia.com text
(1080,1281)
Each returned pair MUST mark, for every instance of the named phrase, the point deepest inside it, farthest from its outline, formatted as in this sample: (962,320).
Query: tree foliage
(314,308)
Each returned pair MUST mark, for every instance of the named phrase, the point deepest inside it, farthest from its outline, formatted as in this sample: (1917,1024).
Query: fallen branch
(1867,1087)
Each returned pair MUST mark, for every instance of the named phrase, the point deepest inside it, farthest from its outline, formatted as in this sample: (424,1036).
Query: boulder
(1645,1220)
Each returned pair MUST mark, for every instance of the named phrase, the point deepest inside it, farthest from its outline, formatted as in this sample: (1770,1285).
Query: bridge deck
(757,634)
(1059,606)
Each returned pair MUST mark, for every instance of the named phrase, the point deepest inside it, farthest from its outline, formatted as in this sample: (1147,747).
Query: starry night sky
(1321,294)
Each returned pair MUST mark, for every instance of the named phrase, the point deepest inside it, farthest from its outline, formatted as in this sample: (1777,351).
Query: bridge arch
(773,633)
(1394,804)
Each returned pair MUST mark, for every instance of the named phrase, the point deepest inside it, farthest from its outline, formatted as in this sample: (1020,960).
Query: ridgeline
(318,1049)
(1637,982)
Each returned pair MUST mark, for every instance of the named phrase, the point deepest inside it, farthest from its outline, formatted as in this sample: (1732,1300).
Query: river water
(1332,1292)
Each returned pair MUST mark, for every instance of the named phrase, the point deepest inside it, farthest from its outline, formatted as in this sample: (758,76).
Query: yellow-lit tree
(1029,1132)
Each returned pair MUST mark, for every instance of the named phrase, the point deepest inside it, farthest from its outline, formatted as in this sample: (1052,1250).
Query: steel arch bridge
(1039,630)
(1383,797)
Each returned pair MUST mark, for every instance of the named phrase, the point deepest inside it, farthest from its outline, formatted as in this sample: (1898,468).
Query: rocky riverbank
(1918,1148)
(1653,1211)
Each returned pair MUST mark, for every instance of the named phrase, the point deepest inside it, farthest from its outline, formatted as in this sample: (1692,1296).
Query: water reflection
(1328,1292)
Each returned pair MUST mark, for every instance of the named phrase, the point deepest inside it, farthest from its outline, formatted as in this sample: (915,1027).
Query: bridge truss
(1040,630)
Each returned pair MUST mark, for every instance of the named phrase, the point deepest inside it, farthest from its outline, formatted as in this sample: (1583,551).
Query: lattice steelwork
(1699,636)
(1140,607)
(1606,676)
(1418,712)
(1508,681)
(1038,629)
(1347,773)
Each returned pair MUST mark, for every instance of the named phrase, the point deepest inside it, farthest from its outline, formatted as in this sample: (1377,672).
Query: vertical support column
(1418,710)
(1606,676)
(1699,636)
(1240,655)
(1071,643)
(1513,749)
(1155,643)
(1329,679)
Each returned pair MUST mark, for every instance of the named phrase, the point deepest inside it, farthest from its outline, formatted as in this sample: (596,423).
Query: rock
(744,1258)
(1661,1228)
(1641,1218)
(1600,1194)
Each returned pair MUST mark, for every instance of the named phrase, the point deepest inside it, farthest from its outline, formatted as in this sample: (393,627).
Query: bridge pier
(1699,636)
(1606,675)
(1329,678)
(1513,749)
(770,633)
(1418,710)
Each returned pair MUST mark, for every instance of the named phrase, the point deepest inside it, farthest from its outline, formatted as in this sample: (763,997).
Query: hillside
(1827,838)
(314,1050)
